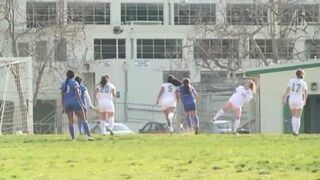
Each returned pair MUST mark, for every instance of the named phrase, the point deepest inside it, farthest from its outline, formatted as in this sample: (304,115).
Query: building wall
(272,86)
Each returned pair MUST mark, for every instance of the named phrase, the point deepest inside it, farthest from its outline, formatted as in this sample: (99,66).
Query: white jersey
(105,92)
(297,87)
(241,96)
(168,97)
(169,91)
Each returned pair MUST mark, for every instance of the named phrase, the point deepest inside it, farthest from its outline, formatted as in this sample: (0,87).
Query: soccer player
(167,98)
(105,94)
(297,92)
(72,103)
(189,96)
(241,95)
(85,98)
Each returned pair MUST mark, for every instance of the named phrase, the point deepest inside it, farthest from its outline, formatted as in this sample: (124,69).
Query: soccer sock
(71,131)
(103,126)
(170,116)
(218,114)
(196,121)
(189,120)
(236,125)
(111,123)
(293,122)
(298,120)
(86,127)
(79,126)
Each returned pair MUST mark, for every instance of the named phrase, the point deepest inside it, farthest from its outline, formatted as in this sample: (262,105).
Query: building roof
(280,68)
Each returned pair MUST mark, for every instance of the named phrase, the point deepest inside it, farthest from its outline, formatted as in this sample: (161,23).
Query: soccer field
(161,157)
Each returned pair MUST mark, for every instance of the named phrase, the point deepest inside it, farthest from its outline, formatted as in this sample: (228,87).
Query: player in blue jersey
(189,96)
(85,97)
(72,103)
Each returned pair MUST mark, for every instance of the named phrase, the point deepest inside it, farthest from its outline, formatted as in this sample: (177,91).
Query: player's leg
(170,112)
(104,117)
(298,120)
(81,117)
(293,120)
(228,105)
(195,121)
(237,116)
(110,122)
(71,122)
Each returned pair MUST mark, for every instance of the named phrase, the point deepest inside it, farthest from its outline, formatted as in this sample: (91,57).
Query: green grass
(161,157)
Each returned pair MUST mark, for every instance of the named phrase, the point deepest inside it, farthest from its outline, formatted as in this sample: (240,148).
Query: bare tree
(233,40)
(45,39)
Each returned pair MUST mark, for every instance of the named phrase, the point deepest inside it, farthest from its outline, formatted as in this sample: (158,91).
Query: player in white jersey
(167,99)
(105,95)
(297,92)
(241,95)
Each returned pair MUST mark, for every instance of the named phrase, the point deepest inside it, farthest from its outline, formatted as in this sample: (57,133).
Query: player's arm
(160,94)
(113,92)
(195,94)
(285,95)
(177,95)
(77,91)
(62,100)
(305,96)
(96,91)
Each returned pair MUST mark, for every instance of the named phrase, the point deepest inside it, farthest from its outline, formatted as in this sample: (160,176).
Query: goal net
(16,107)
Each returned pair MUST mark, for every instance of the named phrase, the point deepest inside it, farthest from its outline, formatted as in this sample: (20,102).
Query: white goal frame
(8,62)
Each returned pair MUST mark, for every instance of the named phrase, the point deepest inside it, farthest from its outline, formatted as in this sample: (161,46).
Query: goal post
(16,93)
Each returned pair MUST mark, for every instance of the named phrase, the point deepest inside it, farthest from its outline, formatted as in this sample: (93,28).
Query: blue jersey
(69,89)
(185,95)
(187,98)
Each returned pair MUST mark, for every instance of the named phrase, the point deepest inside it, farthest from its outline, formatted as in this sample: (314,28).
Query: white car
(118,129)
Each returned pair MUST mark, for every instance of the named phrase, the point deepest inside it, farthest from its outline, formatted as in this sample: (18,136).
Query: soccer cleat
(236,133)
(295,134)
(89,138)
(111,132)
(212,119)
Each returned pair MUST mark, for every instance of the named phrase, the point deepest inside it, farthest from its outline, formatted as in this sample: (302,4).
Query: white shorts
(106,106)
(296,103)
(235,102)
(168,102)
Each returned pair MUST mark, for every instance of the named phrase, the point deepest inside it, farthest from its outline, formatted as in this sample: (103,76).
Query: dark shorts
(72,107)
(189,106)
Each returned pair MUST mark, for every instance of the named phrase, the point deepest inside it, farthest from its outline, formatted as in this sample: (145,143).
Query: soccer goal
(16,107)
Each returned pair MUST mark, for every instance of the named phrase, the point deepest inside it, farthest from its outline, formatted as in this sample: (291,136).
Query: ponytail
(186,85)
(103,81)
(70,75)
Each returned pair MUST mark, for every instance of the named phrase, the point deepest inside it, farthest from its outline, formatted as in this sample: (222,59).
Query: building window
(284,48)
(41,14)
(312,49)
(60,49)
(177,74)
(212,76)
(191,14)
(23,49)
(41,51)
(216,48)
(299,14)
(141,12)
(159,48)
(89,13)
(109,49)
(247,14)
